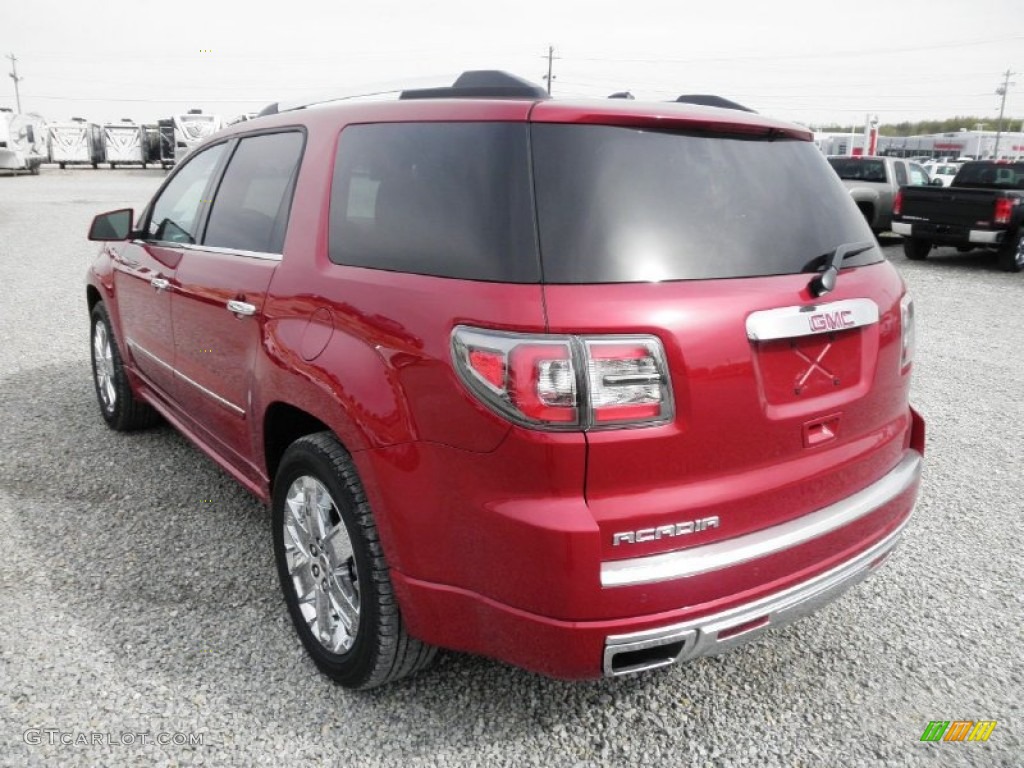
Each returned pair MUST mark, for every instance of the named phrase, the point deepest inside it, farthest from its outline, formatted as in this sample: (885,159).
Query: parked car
(981,209)
(873,181)
(942,172)
(588,387)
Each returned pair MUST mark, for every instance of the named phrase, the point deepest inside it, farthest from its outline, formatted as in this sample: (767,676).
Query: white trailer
(76,143)
(22,141)
(193,128)
(124,143)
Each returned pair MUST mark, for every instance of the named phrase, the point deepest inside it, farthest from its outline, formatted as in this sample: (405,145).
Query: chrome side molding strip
(730,552)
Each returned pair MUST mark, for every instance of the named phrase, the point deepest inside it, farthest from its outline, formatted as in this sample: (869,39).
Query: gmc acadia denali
(587,387)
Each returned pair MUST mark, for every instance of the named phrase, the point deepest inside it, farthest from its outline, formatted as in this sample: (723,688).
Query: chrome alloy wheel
(103,366)
(321,564)
(1018,256)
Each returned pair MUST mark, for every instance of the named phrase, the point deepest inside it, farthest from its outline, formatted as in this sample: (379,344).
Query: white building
(974,144)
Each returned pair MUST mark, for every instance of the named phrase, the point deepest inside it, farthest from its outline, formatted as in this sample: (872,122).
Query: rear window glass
(853,169)
(1007,175)
(628,205)
(445,199)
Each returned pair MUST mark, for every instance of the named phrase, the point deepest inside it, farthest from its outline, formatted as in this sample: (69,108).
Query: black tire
(112,166)
(62,165)
(380,651)
(916,249)
(34,169)
(119,407)
(1011,253)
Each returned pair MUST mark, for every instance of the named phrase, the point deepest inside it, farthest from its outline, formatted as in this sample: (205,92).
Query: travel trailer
(22,141)
(77,142)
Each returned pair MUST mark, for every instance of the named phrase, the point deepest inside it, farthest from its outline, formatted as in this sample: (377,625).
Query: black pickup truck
(982,208)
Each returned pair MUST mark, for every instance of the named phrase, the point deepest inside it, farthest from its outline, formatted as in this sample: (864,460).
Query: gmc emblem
(831,321)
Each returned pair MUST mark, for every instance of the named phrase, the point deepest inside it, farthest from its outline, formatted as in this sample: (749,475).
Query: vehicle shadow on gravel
(980,260)
(167,565)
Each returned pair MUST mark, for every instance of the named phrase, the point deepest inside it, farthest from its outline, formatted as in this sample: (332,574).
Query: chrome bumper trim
(731,552)
(703,637)
(899,228)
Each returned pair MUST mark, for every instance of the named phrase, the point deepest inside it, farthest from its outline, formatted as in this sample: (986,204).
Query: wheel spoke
(337,546)
(324,620)
(347,600)
(302,577)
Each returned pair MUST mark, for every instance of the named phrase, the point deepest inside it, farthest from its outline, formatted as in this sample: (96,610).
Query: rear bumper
(720,632)
(948,234)
(795,567)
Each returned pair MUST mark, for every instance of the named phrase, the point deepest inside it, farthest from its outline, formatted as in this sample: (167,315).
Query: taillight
(897,203)
(1004,210)
(906,331)
(547,381)
(626,380)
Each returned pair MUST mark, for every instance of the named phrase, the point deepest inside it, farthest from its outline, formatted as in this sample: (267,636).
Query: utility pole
(551,58)
(16,79)
(1001,91)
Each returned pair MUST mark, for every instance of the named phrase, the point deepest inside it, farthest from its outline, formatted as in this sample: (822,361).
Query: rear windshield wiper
(825,281)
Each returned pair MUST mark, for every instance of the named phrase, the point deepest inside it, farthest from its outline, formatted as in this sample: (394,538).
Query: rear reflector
(546,381)
(907,334)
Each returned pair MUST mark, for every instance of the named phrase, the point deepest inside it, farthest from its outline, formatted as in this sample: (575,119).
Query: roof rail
(481,84)
(710,100)
(473,84)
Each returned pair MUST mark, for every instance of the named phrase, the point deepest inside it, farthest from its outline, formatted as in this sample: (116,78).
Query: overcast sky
(811,62)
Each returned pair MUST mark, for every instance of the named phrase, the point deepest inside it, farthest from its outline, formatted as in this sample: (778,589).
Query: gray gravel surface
(138,593)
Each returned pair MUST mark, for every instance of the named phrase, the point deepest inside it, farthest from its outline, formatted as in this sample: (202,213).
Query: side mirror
(114,225)
(936,182)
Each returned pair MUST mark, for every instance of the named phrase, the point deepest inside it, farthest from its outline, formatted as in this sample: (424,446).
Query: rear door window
(621,204)
(445,199)
(901,173)
(250,210)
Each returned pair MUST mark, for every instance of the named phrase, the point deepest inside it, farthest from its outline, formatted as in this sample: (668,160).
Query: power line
(800,56)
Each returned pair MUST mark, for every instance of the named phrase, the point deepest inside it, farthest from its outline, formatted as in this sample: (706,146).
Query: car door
(222,284)
(145,269)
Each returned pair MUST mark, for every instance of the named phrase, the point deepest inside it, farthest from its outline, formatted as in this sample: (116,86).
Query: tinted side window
(901,173)
(175,213)
(250,209)
(445,199)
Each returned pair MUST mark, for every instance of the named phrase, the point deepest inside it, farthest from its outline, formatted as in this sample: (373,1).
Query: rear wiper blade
(825,281)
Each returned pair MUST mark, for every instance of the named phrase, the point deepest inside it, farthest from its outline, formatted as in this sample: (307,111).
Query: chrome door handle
(241,308)
(160,283)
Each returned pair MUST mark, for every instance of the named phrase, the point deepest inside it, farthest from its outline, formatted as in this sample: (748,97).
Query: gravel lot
(138,593)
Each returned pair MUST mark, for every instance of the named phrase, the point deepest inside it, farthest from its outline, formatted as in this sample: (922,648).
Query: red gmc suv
(587,387)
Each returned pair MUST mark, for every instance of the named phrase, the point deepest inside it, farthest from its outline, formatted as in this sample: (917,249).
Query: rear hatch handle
(825,281)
